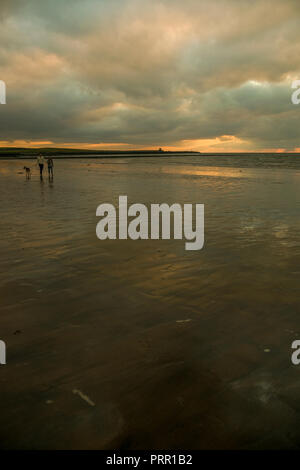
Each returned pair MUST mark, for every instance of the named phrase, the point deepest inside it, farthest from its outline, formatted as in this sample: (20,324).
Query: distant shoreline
(9,153)
(21,153)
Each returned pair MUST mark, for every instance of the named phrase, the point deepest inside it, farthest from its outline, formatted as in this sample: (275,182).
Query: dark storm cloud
(150,73)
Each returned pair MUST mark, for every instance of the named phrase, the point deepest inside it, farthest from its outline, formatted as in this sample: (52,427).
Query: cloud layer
(206,75)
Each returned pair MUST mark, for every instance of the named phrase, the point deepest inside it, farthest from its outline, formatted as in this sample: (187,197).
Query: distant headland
(20,152)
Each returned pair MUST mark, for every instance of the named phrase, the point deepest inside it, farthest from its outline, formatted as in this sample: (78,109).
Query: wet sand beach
(142,344)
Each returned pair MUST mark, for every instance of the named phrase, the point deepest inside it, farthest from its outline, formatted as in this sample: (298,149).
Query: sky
(204,75)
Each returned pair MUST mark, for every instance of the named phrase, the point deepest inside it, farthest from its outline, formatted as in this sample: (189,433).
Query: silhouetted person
(50,167)
(41,161)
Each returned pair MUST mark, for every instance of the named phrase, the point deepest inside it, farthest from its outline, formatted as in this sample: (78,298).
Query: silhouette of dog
(28,172)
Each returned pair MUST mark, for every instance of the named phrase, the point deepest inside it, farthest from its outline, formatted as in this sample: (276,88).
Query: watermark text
(2,352)
(2,92)
(296,93)
(139,227)
(295,358)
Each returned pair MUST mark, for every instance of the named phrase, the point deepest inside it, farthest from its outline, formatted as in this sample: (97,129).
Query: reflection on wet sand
(165,348)
(207,171)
